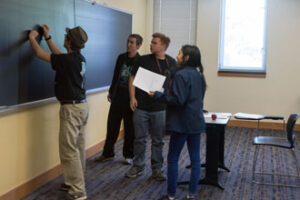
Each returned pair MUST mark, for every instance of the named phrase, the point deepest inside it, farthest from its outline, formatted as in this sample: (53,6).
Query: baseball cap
(77,36)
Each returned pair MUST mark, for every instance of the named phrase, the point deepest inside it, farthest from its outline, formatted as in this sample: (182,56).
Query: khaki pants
(73,119)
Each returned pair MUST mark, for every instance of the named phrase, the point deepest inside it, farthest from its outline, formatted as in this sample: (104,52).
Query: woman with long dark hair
(185,118)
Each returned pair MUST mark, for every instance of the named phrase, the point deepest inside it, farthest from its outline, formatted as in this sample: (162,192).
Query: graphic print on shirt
(125,74)
(82,73)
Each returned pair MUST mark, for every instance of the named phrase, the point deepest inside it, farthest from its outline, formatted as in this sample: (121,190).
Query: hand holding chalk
(46,30)
(33,34)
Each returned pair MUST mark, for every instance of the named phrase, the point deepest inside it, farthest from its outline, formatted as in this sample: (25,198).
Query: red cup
(213,116)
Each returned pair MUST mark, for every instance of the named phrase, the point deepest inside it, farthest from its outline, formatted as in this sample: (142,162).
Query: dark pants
(176,144)
(117,112)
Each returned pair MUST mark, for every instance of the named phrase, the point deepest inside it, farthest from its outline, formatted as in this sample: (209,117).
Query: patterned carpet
(106,181)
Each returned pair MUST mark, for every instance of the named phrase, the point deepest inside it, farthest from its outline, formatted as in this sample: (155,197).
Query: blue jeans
(177,141)
(145,122)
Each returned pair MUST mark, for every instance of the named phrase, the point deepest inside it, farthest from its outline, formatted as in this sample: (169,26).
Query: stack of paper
(248,116)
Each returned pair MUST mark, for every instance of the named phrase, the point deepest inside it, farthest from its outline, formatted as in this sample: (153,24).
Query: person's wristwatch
(48,38)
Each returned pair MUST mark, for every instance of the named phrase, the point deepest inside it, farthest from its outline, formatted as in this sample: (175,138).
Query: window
(177,19)
(243,36)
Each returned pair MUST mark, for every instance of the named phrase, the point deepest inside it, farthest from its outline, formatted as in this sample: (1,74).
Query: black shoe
(134,172)
(64,187)
(158,176)
(103,158)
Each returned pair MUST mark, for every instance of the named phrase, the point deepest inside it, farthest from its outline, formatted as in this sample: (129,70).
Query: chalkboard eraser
(1,107)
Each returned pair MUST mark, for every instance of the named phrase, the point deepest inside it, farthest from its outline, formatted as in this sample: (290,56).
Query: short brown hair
(163,38)
(139,39)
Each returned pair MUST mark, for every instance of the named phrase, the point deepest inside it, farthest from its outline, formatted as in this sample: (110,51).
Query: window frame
(241,70)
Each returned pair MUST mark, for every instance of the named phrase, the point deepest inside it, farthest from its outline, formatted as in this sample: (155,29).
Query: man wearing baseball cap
(70,92)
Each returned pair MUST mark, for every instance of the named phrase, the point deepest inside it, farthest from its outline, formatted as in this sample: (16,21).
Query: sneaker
(134,172)
(166,197)
(69,196)
(190,196)
(158,175)
(64,187)
(128,161)
(103,158)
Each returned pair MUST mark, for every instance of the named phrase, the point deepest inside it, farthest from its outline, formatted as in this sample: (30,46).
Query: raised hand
(33,34)
(46,30)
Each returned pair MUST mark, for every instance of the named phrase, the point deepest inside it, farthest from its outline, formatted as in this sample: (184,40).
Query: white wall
(278,93)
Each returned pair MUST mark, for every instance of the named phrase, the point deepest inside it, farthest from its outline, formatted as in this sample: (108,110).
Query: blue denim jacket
(184,102)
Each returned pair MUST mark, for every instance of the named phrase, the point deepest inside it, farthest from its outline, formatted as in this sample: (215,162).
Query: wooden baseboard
(31,185)
(26,188)
(262,124)
(98,147)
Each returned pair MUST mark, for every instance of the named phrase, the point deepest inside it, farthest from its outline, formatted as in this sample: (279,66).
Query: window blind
(178,20)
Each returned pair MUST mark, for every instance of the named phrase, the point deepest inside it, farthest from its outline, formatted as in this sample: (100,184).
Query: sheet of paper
(148,81)
(219,115)
(249,116)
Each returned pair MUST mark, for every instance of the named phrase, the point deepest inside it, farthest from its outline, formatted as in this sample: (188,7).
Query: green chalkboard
(23,77)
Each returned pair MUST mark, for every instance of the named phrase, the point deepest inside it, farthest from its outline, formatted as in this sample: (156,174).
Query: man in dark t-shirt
(149,114)
(119,109)
(70,91)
